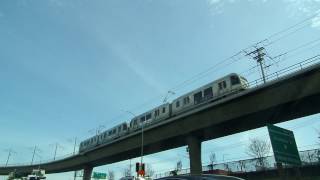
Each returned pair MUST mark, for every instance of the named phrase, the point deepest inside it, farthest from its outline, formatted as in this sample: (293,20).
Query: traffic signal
(142,167)
(137,167)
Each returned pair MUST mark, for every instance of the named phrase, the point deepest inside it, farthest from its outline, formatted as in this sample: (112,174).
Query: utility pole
(34,152)
(75,144)
(10,151)
(55,152)
(259,57)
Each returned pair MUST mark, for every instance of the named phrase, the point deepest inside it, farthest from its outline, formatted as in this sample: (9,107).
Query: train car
(88,144)
(215,90)
(113,133)
(157,114)
(104,137)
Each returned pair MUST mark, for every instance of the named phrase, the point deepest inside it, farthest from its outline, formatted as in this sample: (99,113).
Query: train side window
(163,109)
(142,119)
(197,97)
(156,112)
(186,100)
(220,85)
(208,93)
(234,80)
(148,116)
(177,103)
(224,84)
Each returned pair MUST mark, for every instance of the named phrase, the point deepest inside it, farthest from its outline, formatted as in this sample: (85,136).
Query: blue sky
(67,67)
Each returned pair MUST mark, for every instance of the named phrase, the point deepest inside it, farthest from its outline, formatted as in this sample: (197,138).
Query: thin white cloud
(213,2)
(316,22)
(305,8)
(144,74)
(56,2)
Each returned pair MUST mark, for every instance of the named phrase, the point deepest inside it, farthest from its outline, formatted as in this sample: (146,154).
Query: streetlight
(142,126)
(142,142)
(75,144)
(97,130)
(167,96)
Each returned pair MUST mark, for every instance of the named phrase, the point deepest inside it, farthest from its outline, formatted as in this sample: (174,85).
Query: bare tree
(149,170)
(242,165)
(213,160)
(126,172)
(259,149)
(179,166)
(110,175)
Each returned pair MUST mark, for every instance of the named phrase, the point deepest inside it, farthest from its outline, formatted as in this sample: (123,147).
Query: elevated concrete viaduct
(293,96)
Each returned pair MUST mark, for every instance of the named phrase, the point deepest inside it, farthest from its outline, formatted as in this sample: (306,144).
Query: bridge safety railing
(308,157)
(290,69)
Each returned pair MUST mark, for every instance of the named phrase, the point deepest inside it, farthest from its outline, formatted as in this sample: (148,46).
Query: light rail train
(213,91)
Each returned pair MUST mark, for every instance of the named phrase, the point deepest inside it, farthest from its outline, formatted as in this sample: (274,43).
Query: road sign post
(284,145)
(284,148)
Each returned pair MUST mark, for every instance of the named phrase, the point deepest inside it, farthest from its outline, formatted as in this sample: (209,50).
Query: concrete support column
(194,145)
(87,171)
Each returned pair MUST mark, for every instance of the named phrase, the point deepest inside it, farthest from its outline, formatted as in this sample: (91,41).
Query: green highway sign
(284,145)
(97,175)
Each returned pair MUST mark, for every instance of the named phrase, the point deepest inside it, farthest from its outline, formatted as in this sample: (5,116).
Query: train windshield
(234,80)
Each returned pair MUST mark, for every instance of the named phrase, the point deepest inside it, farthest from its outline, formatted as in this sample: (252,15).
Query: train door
(222,87)
(197,97)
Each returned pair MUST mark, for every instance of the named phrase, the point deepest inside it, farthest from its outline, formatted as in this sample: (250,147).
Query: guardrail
(288,70)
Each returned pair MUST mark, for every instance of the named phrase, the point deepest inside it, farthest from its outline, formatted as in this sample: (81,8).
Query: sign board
(284,145)
(97,175)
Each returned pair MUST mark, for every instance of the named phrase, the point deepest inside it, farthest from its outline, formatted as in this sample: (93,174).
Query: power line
(291,27)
